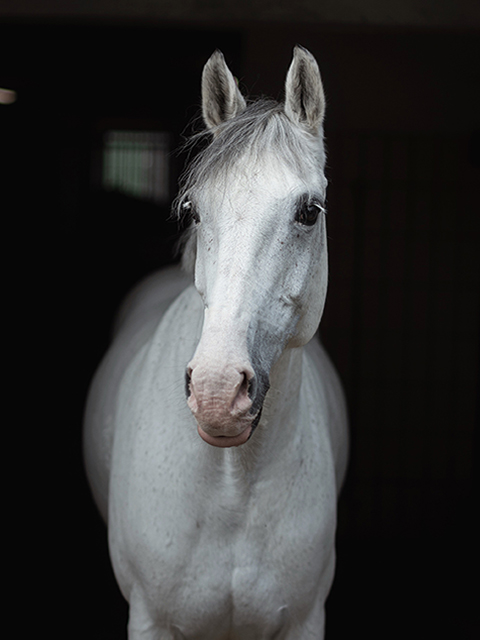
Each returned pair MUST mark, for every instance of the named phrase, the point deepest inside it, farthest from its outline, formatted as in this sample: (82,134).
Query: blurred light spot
(137,163)
(7,96)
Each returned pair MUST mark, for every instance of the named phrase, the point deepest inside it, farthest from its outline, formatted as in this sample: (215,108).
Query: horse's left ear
(304,96)
(221,98)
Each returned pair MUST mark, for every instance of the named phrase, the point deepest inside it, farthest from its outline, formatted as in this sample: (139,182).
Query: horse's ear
(221,98)
(304,96)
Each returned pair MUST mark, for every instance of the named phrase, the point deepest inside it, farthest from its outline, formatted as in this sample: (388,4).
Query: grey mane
(262,127)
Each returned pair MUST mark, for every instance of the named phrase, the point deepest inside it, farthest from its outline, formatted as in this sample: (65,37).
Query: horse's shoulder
(136,323)
(321,372)
(150,298)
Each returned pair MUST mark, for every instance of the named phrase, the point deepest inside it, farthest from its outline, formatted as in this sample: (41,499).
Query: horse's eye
(307,213)
(189,209)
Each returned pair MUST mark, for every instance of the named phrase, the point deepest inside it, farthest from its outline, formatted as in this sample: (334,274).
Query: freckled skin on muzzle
(227,406)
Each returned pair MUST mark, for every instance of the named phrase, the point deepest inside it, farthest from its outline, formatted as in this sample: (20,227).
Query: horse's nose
(230,390)
(225,401)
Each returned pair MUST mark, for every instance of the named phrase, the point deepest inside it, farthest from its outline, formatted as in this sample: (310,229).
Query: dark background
(401,321)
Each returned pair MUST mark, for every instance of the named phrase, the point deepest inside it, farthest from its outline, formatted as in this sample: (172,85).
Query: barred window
(136,163)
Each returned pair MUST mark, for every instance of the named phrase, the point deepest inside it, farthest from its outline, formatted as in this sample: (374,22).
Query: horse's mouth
(226,441)
(230,441)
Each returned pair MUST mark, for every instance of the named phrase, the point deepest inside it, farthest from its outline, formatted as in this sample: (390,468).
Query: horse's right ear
(221,98)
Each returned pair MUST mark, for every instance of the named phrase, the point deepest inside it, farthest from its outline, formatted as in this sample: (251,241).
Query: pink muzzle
(219,399)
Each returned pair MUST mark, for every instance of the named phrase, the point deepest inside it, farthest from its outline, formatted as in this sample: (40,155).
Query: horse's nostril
(251,387)
(244,386)
(188,379)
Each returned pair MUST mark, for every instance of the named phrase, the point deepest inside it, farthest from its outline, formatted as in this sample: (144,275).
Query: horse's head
(256,197)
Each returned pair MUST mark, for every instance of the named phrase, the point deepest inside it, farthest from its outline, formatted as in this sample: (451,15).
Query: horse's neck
(281,403)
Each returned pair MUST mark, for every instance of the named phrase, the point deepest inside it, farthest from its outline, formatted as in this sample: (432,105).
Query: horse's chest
(217,557)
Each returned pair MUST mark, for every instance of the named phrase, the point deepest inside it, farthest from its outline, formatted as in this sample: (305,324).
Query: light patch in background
(7,96)
(136,163)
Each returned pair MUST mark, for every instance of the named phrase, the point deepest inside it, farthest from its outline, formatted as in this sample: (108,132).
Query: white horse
(221,507)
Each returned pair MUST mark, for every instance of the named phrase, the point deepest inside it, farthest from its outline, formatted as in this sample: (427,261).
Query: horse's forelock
(261,128)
